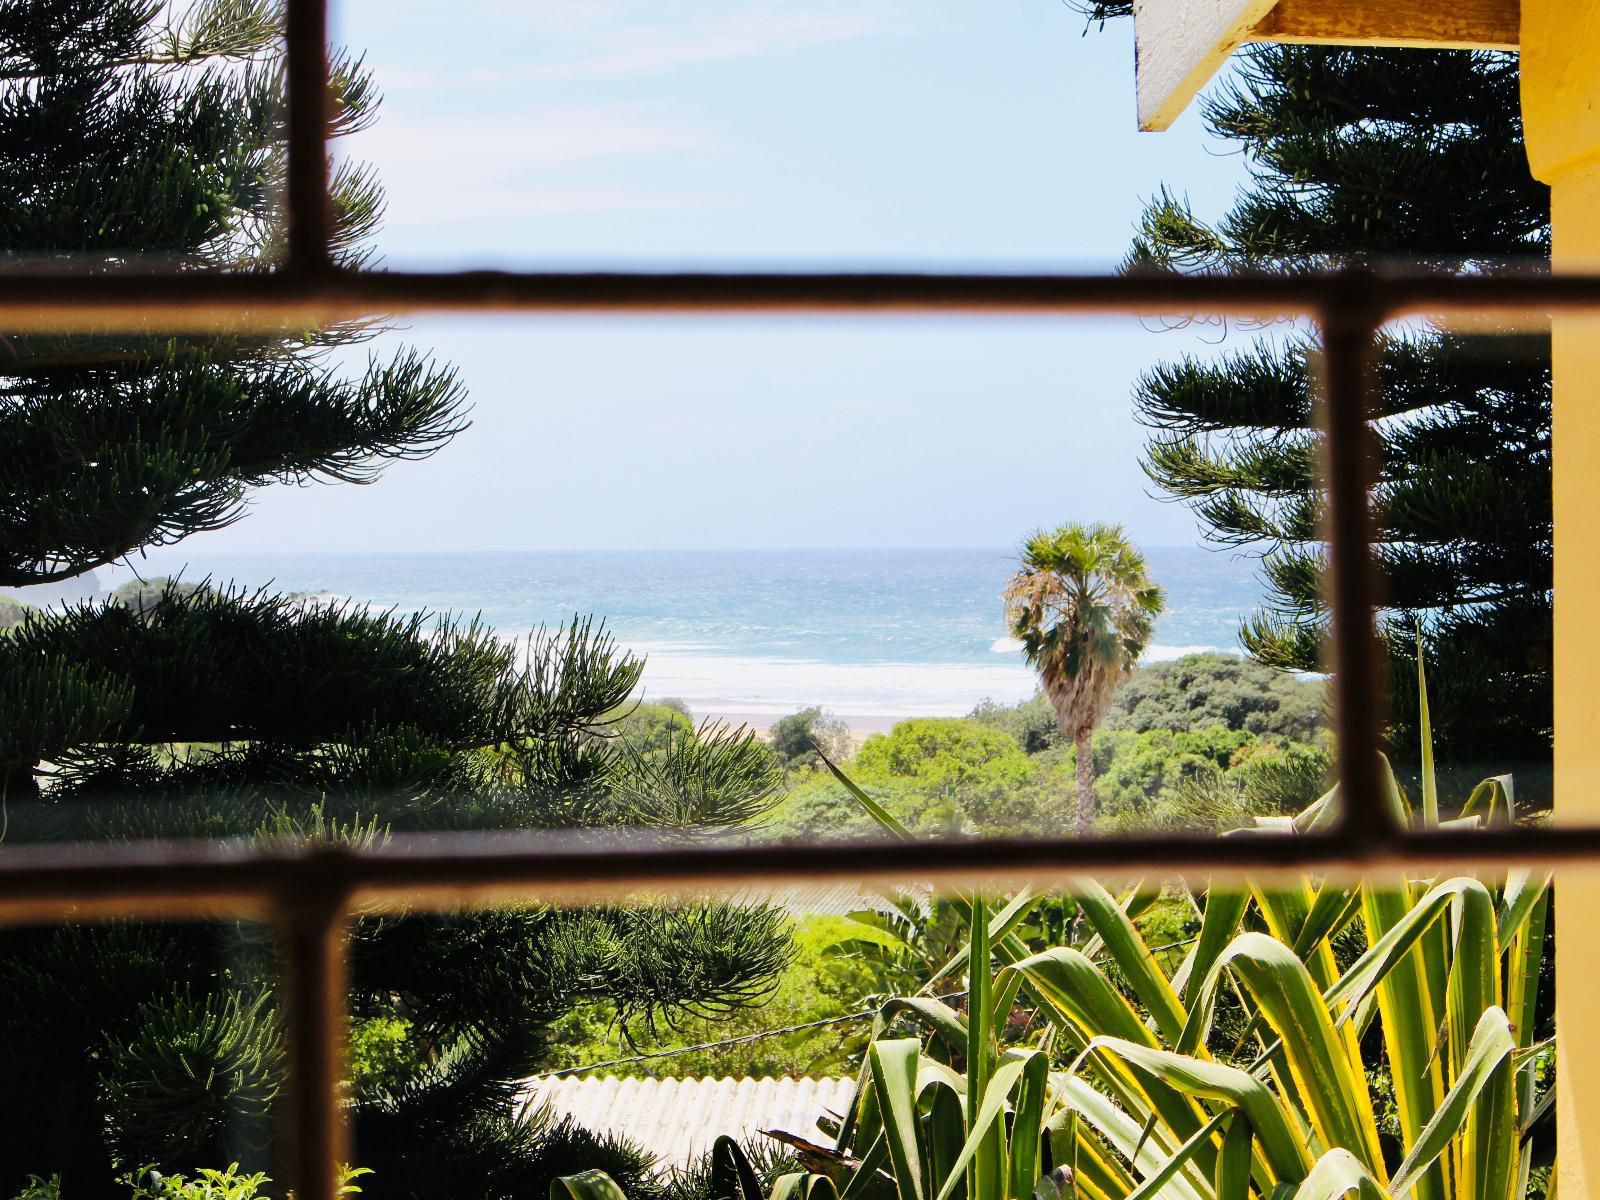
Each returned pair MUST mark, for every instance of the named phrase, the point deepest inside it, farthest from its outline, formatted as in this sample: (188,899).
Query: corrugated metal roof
(813,899)
(678,1119)
(822,899)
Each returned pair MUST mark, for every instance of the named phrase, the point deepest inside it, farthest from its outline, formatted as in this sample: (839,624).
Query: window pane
(732,133)
(888,546)
(1464,542)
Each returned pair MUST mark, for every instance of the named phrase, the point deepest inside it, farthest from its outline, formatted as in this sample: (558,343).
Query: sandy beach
(861,725)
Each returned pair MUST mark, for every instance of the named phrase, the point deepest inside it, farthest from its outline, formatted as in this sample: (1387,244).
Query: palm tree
(1083,608)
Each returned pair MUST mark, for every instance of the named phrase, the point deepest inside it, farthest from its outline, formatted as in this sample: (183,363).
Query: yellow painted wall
(1561,111)
(1576,216)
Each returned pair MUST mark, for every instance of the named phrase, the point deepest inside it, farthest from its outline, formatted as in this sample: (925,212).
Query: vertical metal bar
(316,985)
(1349,327)
(308,209)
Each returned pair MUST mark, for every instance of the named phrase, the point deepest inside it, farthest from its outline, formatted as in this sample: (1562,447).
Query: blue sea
(864,633)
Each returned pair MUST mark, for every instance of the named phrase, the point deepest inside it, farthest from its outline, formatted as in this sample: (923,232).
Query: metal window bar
(312,894)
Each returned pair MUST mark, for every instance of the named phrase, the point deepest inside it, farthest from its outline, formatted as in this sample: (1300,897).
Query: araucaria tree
(133,130)
(1083,608)
(1365,156)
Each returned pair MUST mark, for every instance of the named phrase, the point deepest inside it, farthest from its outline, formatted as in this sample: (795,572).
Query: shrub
(1186,695)
(211,1184)
(649,727)
(13,612)
(821,982)
(1031,723)
(1198,691)
(794,738)
(142,595)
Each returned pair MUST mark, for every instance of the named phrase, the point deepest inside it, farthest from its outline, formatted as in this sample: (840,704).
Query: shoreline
(861,725)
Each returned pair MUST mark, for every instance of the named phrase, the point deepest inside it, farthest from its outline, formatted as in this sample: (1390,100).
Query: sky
(972,134)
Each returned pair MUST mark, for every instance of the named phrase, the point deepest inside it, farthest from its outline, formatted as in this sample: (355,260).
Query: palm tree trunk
(1085,756)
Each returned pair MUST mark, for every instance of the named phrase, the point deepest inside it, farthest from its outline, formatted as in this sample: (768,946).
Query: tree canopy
(1363,157)
(1084,609)
(150,134)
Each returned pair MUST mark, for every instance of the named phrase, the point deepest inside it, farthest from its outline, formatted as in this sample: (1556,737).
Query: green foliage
(1130,1090)
(49,705)
(1133,769)
(1200,691)
(13,612)
(208,1183)
(903,942)
(1207,741)
(195,1081)
(948,759)
(971,775)
(728,1170)
(1149,1103)
(825,978)
(39,1188)
(383,1054)
(716,777)
(1031,723)
(937,774)
(648,728)
(1186,695)
(154,135)
(143,594)
(795,738)
(332,723)
(140,132)
(1084,609)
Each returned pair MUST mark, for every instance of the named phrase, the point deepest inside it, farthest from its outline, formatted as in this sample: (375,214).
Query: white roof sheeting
(678,1119)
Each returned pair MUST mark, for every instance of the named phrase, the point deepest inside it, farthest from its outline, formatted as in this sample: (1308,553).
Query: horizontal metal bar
(93,881)
(68,302)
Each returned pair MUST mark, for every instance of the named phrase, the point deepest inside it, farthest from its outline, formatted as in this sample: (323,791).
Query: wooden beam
(1179,45)
(1452,25)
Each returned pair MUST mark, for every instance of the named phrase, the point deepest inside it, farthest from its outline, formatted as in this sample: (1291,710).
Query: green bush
(795,738)
(948,756)
(40,1188)
(649,727)
(937,775)
(143,594)
(196,1080)
(13,612)
(211,1184)
(1186,695)
(1032,723)
(822,981)
(1198,691)
(966,775)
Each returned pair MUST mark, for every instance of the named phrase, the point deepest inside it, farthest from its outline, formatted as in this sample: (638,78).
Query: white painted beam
(1180,44)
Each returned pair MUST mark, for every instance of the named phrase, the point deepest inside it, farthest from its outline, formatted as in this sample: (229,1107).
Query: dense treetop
(141,132)
(1361,156)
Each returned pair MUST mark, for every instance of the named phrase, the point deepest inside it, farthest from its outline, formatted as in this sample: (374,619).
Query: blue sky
(987,134)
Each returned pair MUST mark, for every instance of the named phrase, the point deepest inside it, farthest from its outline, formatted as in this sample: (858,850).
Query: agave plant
(1124,1093)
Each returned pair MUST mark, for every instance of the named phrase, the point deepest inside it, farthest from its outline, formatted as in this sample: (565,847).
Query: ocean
(868,634)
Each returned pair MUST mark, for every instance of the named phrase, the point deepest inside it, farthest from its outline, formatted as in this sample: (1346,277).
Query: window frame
(313,894)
